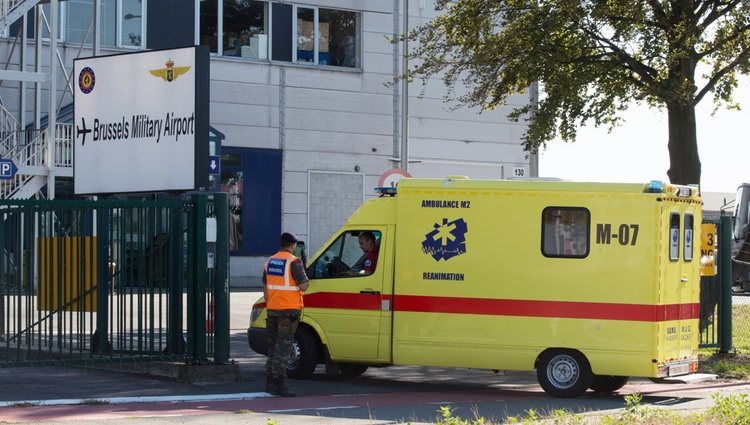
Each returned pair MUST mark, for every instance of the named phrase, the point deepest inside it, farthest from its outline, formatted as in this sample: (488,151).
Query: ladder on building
(36,159)
(40,154)
(11,10)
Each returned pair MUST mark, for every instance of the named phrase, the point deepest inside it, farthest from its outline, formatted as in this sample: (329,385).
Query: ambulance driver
(366,265)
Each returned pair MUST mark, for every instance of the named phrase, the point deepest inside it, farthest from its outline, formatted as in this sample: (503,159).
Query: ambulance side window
(688,238)
(674,237)
(347,257)
(565,232)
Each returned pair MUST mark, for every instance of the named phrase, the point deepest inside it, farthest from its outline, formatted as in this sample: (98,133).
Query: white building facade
(302,104)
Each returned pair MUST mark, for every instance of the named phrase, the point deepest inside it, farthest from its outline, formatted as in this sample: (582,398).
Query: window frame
(293,28)
(685,249)
(676,244)
(295,35)
(588,231)
(64,24)
(347,236)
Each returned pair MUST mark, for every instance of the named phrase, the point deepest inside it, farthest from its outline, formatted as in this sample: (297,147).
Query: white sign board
(135,122)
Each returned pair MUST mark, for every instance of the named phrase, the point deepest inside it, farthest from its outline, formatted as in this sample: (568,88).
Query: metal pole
(176,342)
(52,113)
(405,92)
(101,342)
(725,276)
(97,26)
(200,279)
(221,282)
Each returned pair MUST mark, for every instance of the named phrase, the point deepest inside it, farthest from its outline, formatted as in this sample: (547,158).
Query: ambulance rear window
(688,238)
(565,232)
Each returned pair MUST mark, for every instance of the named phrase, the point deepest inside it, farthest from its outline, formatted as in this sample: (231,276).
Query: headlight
(255,313)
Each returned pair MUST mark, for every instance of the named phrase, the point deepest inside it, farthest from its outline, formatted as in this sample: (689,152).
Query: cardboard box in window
(258,48)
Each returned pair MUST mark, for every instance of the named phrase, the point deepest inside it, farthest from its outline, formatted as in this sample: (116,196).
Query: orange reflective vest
(283,292)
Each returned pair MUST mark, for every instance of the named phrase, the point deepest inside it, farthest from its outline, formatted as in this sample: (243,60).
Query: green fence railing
(112,280)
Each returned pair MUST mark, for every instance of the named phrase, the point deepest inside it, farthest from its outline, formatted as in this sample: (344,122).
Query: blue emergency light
(655,186)
(386,191)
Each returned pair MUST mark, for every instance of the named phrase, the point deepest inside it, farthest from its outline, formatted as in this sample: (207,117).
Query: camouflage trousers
(280,328)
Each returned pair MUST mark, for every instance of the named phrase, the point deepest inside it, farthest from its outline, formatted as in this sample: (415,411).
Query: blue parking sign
(8,169)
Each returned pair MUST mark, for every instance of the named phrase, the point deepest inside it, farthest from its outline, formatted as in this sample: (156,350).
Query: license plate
(679,369)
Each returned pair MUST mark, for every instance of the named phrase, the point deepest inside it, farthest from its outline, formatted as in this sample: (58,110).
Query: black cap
(287,237)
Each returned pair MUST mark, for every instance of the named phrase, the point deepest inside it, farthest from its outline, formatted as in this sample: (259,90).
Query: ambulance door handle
(369,292)
(683,279)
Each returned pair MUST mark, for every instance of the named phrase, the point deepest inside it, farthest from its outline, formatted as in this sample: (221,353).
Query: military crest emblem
(170,72)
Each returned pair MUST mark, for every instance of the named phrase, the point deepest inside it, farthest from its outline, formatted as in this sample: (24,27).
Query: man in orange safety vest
(284,280)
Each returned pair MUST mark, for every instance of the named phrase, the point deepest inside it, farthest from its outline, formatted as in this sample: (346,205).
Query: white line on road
(313,408)
(145,399)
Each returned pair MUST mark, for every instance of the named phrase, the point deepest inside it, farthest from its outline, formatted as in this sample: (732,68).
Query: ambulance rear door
(679,286)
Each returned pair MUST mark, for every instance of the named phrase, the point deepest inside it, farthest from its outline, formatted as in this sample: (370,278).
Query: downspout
(396,87)
(534,99)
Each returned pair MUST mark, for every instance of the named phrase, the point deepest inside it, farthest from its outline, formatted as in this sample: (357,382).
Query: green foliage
(731,409)
(447,418)
(592,58)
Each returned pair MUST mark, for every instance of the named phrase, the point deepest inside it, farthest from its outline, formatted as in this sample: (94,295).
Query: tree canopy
(592,58)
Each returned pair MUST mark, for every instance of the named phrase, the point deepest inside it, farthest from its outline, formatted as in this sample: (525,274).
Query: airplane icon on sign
(83,131)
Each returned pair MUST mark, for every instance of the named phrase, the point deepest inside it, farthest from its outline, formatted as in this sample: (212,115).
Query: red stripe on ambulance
(505,307)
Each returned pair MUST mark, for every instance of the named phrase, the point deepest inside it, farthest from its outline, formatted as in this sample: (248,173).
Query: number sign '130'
(627,234)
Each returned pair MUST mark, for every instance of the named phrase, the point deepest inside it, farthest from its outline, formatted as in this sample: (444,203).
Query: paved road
(385,395)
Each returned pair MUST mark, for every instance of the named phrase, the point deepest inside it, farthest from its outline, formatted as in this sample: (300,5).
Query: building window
(75,22)
(209,25)
(317,36)
(337,38)
(565,232)
(131,23)
(79,26)
(245,29)
(305,35)
(252,179)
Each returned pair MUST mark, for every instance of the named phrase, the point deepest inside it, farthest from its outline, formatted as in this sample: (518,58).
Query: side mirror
(301,252)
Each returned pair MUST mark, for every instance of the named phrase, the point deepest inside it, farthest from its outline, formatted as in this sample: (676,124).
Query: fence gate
(716,285)
(114,280)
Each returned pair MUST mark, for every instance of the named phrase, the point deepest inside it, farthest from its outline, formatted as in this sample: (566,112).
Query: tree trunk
(684,162)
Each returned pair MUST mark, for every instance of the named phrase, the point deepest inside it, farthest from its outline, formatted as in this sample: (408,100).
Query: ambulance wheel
(605,384)
(352,370)
(304,355)
(563,373)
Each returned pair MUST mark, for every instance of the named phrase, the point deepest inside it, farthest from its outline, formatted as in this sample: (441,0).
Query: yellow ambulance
(586,283)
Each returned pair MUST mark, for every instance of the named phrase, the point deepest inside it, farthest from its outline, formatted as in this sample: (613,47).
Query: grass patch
(734,365)
(727,366)
(741,328)
(24,404)
(729,409)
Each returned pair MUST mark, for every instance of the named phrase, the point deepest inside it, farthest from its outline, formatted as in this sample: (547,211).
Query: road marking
(313,408)
(145,399)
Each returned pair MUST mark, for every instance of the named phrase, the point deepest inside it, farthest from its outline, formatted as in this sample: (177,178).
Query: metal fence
(113,280)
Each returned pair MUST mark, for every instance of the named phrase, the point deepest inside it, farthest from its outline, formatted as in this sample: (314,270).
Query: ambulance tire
(605,384)
(563,373)
(305,357)
(352,370)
